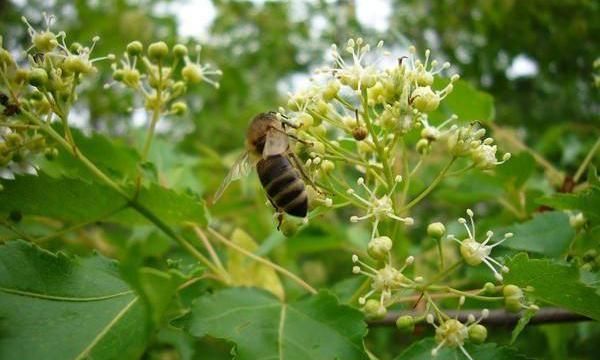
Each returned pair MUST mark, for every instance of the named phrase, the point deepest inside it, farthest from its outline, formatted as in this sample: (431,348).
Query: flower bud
(6,58)
(75,48)
(436,230)
(430,133)
(424,99)
(406,323)
(288,227)
(489,288)
(179,108)
(45,41)
(158,51)
(327,166)
(192,73)
(135,48)
(331,90)
(38,77)
(577,221)
(131,78)
(360,133)
(374,310)
(423,146)
(180,51)
(379,247)
(118,74)
(51,153)
(76,64)
(477,333)
(469,249)
(424,78)
(512,298)
(305,120)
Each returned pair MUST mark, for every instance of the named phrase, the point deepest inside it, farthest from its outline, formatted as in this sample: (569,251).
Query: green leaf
(465,101)
(80,201)
(112,156)
(247,272)
(263,327)
(422,351)
(516,171)
(57,307)
(586,201)
(548,233)
(554,283)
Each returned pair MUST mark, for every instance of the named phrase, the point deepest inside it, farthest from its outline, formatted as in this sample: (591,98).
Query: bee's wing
(241,167)
(276,143)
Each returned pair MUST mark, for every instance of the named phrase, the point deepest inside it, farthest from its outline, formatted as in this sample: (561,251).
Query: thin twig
(496,318)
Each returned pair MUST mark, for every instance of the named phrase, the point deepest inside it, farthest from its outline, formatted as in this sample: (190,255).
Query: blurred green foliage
(261,47)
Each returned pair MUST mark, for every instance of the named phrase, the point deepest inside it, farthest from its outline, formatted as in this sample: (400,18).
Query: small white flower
(360,74)
(384,280)
(378,207)
(484,155)
(475,253)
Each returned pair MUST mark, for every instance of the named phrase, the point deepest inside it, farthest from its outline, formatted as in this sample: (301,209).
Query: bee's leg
(292,136)
(279,219)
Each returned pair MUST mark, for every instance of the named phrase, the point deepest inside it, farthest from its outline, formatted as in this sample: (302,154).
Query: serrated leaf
(265,328)
(421,350)
(56,307)
(554,283)
(247,272)
(548,233)
(586,201)
(76,200)
(110,155)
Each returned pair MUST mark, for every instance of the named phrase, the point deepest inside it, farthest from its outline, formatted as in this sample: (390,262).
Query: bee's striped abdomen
(283,185)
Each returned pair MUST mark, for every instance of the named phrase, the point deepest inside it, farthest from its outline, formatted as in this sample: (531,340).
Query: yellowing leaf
(247,272)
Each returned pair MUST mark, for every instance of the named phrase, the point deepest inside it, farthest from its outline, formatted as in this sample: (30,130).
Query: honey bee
(280,171)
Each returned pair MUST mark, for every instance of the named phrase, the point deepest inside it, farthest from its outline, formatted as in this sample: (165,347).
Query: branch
(497,318)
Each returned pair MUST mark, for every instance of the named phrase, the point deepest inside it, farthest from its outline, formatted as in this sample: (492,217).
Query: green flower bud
(327,166)
(21,76)
(424,99)
(436,230)
(379,247)
(135,48)
(192,73)
(178,89)
(374,310)
(75,48)
(423,146)
(6,58)
(180,51)
(152,102)
(45,41)
(36,95)
(158,51)
(406,324)
(76,64)
(131,77)
(577,221)
(489,288)
(288,227)
(305,120)
(179,108)
(512,297)
(477,333)
(118,75)
(38,77)
(331,90)
(424,78)
(51,153)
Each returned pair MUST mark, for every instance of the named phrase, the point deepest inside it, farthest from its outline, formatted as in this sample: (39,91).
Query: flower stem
(378,147)
(586,161)
(431,186)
